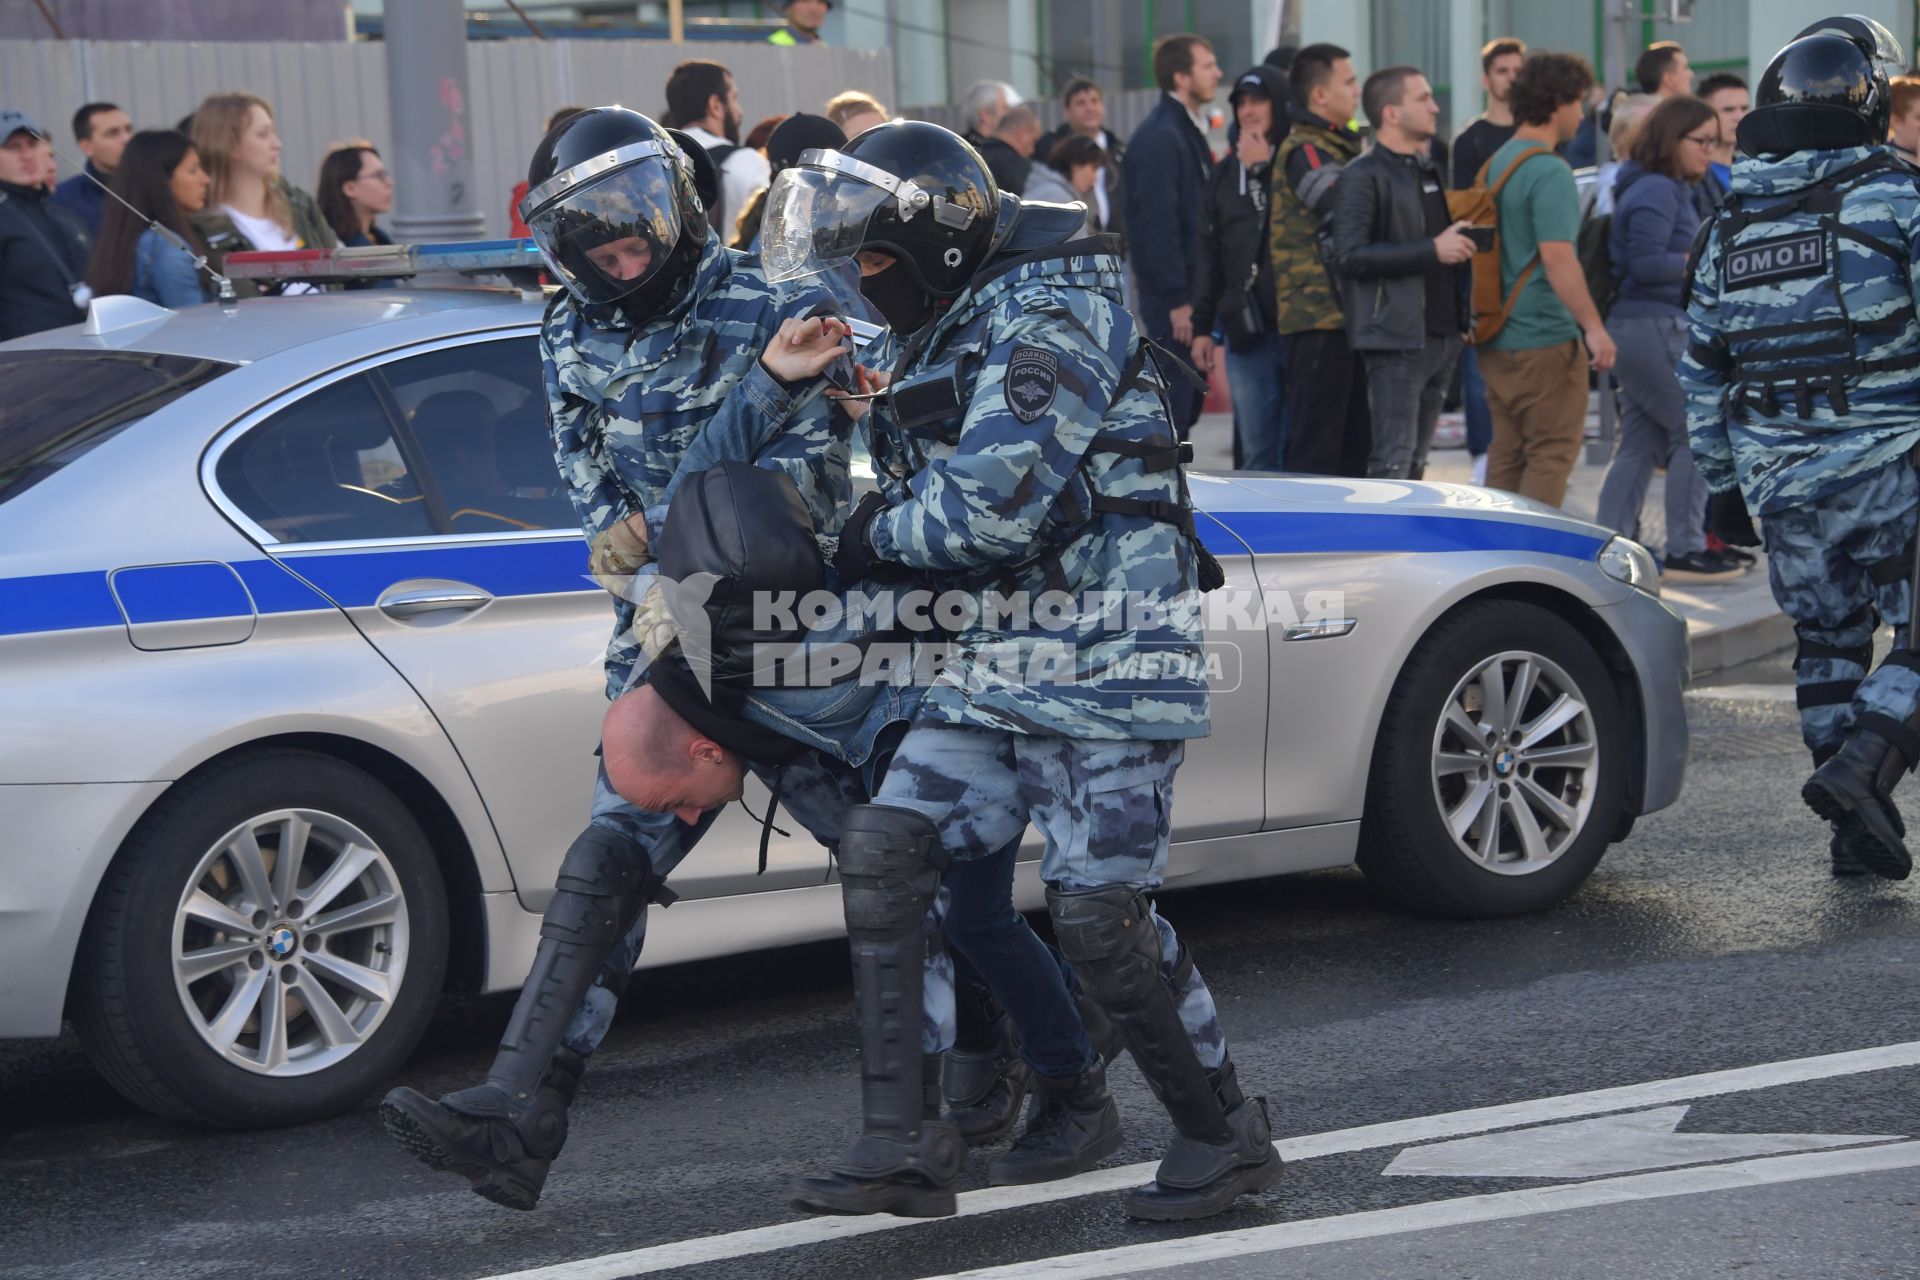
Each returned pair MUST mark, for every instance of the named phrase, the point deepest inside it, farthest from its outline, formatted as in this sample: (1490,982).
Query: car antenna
(227,296)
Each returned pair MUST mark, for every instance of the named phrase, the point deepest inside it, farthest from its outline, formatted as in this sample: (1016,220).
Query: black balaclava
(898,297)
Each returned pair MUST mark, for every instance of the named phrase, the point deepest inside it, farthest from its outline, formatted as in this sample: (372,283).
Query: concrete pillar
(432,155)
(1340,22)
(1464,39)
(1023,34)
(1771,23)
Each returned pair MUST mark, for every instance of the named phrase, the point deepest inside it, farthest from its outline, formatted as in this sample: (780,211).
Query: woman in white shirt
(251,206)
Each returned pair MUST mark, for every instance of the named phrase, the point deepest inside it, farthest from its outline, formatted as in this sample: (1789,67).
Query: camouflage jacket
(1803,367)
(625,403)
(1304,171)
(998,498)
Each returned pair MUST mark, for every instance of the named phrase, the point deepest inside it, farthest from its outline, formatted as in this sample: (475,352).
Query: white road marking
(1132,1259)
(1745,692)
(1610,1145)
(1391,1133)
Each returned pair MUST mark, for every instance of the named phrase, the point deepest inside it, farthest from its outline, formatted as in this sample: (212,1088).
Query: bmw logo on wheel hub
(282,942)
(1503,763)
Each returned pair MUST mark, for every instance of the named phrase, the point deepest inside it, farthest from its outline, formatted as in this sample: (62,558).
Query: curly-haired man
(1535,366)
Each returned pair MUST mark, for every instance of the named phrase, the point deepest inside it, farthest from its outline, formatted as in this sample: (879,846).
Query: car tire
(370,954)
(1425,771)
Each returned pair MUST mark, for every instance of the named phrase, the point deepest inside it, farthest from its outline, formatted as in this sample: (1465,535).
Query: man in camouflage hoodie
(1803,398)
(1331,431)
(1025,453)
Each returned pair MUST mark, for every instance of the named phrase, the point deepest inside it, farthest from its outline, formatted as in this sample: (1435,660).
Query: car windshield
(59,404)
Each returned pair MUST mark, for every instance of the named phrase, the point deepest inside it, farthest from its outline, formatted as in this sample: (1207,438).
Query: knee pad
(890,863)
(605,880)
(1109,939)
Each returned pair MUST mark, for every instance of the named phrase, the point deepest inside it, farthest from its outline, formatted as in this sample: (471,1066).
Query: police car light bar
(384,261)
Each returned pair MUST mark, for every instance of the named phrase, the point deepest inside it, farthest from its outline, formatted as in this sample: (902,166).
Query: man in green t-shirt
(1535,366)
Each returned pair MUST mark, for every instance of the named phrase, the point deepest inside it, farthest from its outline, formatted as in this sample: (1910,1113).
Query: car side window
(326,469)
(479,414)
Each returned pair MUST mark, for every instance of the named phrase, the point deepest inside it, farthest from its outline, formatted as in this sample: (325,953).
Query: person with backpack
(1802,375)
(1653,222)
(1531,350)
(703,101)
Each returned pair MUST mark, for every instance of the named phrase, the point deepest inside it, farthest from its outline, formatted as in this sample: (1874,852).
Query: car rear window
(59,404)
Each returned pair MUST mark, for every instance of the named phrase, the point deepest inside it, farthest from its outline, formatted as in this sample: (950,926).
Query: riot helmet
(1829,88)
(612,207)
(912,190)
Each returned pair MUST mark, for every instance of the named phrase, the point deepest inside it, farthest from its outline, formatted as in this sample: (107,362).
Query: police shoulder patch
(1033,379)
(1779,258)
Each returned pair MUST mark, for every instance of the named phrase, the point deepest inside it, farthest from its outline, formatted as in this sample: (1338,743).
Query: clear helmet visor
(607,237)
(816,222)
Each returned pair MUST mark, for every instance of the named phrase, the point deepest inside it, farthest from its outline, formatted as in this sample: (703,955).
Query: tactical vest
(934,401)
(1771,379)
(1305,296)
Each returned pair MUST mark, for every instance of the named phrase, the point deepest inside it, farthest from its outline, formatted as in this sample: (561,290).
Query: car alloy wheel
(1515,763)
(289,942)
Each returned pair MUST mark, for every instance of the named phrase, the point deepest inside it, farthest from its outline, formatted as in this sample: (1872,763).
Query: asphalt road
(1712,940)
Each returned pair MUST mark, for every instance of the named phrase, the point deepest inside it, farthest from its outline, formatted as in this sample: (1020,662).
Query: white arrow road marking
(1613,1144)
(1391,1133)
(1135,1258)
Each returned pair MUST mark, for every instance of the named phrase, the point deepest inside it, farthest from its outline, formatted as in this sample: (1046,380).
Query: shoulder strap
(1536,149)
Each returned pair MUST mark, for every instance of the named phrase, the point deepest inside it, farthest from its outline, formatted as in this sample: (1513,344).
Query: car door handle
(412,604)
(1324,629)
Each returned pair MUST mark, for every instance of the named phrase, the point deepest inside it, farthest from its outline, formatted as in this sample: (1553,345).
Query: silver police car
(299,692)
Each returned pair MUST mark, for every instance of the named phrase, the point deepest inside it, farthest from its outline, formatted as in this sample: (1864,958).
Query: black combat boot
(1071,1126)
(502,1135)
(906,1159)
(1845,852)
(985,1088)
(910,1172)
(502,1149)
(1854,791)
(1225,1147)
(1223,1152)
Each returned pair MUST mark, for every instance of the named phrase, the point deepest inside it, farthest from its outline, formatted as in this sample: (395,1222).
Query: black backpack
(1594,248)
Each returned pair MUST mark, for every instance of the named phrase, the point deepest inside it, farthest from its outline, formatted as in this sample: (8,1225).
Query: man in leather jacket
(1404,281)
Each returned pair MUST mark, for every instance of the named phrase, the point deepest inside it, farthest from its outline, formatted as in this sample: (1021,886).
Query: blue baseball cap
(12,122)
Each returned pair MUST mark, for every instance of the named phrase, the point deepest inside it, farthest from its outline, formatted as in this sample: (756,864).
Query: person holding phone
(1402,263)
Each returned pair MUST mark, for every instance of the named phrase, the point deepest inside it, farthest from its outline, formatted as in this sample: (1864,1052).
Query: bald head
(1019,128)
(656,760)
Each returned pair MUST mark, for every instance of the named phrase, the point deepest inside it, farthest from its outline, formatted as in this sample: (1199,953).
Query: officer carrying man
(664,354)
(1803,402)
(659,334)
(1025,449)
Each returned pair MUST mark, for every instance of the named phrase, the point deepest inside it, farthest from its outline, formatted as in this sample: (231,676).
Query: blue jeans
(1257,381)
(1473,400)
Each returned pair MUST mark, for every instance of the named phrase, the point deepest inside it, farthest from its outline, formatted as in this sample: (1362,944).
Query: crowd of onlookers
(1357,272)
(148,203)
(1326,259)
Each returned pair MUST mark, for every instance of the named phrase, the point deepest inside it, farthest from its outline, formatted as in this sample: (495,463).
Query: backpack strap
(1493,193)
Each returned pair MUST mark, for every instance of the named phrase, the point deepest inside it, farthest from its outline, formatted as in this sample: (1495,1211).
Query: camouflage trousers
(816,790)
(1104,809)
(1838,569)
